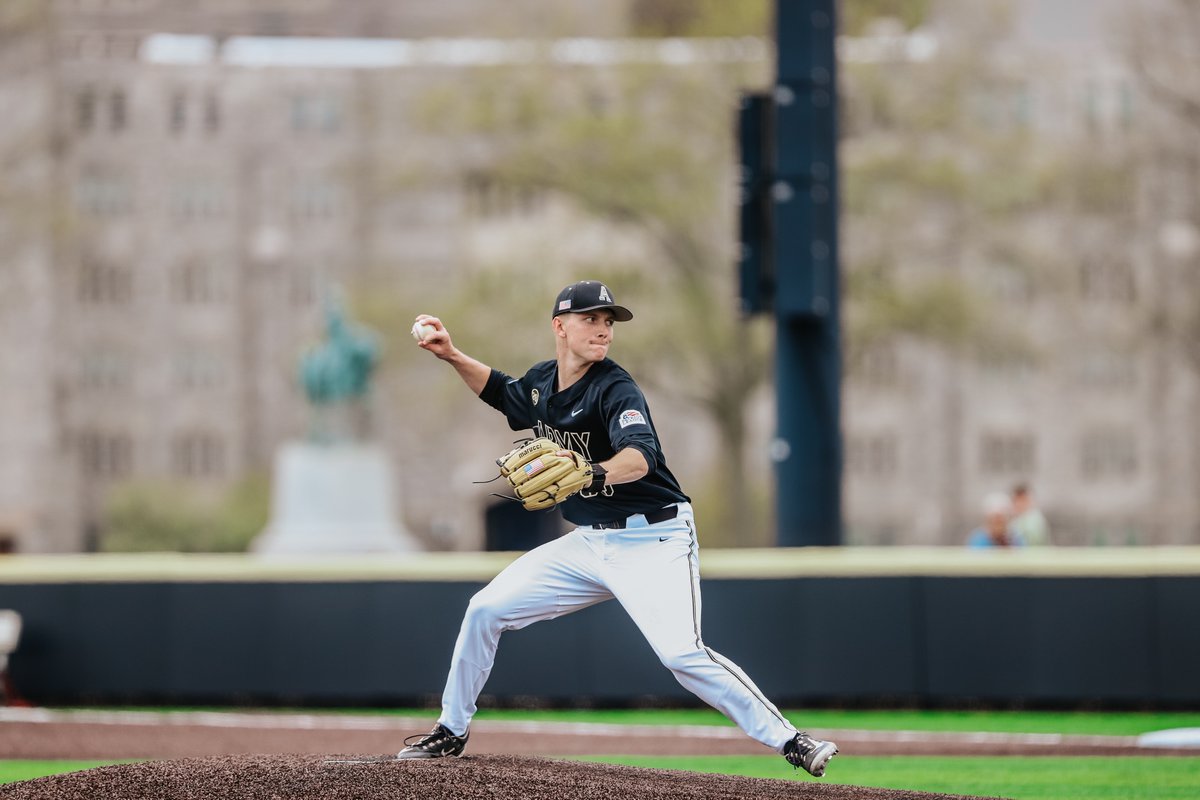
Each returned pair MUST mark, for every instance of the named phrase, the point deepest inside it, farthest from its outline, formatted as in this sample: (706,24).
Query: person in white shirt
(1028,522)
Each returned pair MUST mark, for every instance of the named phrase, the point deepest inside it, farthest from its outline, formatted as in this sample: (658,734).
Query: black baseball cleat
(811,754)
(438,743)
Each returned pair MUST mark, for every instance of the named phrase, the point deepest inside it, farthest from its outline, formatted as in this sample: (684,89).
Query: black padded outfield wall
(920,640)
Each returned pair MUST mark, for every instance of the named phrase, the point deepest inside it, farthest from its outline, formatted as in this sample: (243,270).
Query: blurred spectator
(1028,522)
(10,635)
(995,530)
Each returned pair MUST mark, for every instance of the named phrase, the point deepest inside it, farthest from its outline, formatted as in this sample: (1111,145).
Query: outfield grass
(1091,723)
(1042,778)
(1075,723)
(27,770)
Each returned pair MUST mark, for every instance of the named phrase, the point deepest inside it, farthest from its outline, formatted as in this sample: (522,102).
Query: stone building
(182,180)
(201,175)
(1095,409)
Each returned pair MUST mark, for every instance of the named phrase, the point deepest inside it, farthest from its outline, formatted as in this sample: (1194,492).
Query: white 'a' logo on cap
(604,294)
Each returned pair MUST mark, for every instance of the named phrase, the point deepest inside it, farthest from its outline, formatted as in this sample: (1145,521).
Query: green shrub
(158,516)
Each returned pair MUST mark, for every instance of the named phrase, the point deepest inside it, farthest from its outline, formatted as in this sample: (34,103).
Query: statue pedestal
(333,499)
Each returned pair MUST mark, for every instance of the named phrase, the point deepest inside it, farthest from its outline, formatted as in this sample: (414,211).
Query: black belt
(652,517)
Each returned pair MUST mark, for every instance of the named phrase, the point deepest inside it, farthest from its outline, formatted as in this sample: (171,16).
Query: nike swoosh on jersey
(576,412)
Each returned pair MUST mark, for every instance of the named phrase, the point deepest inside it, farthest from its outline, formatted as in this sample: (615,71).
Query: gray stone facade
(169,227)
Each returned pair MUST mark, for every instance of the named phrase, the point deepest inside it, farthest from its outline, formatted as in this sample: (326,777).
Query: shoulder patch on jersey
(535,395)
(631,417)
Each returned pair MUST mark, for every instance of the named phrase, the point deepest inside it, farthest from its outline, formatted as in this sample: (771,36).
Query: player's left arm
(624,409)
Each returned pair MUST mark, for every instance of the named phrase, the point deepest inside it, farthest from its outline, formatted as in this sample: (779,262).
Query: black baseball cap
(588,296)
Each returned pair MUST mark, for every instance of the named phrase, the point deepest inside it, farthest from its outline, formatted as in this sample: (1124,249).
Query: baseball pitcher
(596,455)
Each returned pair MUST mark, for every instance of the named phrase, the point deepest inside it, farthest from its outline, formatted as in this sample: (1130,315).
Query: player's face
(588,334)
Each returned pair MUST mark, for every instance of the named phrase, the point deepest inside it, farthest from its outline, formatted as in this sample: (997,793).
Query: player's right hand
(437,342)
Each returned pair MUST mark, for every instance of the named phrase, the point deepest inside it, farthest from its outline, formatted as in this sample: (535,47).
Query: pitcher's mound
(309,777)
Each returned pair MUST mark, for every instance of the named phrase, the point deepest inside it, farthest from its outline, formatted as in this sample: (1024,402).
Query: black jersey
(600,414)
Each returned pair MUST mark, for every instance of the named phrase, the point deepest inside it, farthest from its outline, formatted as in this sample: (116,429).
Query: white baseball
(422,332)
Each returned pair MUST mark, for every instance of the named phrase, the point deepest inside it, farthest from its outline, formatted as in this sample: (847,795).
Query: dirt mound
(309,777)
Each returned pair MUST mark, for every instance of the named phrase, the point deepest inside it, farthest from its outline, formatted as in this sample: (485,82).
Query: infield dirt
(231,755)
(500,777)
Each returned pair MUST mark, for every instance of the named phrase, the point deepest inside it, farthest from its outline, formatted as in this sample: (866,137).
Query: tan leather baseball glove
(543,473)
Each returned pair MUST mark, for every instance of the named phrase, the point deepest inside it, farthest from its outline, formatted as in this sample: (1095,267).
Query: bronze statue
(336,375)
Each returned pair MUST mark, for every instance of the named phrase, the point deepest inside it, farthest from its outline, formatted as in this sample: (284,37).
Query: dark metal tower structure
(789,264)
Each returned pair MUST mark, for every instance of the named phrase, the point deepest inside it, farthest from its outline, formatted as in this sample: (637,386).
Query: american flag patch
(533,466)
(563,305)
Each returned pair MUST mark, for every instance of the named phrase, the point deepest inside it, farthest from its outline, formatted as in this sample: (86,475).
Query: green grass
(1115,723)
(27,770)
(1066,722)
(1083,723)
(1021,778)
(1042,778)
(1092,723)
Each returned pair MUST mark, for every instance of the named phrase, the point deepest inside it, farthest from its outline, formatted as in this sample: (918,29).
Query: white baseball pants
(653,570)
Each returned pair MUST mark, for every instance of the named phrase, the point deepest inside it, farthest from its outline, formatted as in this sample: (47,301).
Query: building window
(1103,280)
(85,109)
(118,110)
(105,455)
(196,283)
(198,455)
(314,199)
(1008,284)
(1006,453)
(177,115)
(1128,106)
(1175,191)
(1107,105)
(305,286)
(1105,369)
(199,370)
(101,283)
(1106,531)
(1108,454)
(197,199)
(876,366)
(316,113)
(272,23)
(872,455)
(1091,105)
(212,114)
(1006,366)
(102,193)
(1002,106)
(104,370)
(487,197)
